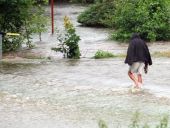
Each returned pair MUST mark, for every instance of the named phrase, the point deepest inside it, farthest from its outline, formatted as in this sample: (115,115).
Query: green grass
(103,54)
(100,54)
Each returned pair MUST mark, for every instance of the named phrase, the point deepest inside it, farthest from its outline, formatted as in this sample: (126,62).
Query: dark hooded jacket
(138,51)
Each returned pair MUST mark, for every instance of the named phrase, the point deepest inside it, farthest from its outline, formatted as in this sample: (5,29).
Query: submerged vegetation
(150,18)
(103,54)
(135,122)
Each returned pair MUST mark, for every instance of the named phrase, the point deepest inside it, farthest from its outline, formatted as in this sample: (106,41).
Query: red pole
(52,16)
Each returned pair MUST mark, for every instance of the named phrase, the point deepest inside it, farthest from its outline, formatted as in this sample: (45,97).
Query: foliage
(12,43)
(103,54)
(163,122)
(136,123)
(99,14)
(150,18)
(19,16)
(38,23)
(68,41)
(102,124)
(82,1)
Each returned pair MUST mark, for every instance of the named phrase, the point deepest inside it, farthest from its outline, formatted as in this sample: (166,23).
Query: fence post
(52,16)
(0,46)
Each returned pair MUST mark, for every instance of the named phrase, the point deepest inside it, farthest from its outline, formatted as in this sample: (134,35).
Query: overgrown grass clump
(103,54)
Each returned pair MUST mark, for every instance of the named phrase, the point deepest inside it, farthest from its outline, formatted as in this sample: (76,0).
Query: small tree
(39,22)
(35,21)
(68,41)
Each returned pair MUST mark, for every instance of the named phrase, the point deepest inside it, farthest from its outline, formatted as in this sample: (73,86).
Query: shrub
(150,18)
(99,14)
(68,41)
(103,54)
(12,43)
(20,16)
(39,22)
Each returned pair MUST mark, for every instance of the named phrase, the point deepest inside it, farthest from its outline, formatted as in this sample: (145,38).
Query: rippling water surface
(62,93)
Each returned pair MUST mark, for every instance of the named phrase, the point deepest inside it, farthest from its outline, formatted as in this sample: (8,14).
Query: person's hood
(135,35)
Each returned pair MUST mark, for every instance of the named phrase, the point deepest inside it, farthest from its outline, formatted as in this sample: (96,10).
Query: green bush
(150,18)
(20,16)
(99,14)
(68,41)
(103,54)
(12,43)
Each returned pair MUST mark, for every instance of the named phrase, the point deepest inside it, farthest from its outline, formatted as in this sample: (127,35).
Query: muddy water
(61,93)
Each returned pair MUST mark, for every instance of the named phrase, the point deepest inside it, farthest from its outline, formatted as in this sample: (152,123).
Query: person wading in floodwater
(138,58)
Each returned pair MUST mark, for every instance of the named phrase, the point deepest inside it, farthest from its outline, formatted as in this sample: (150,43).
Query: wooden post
(0,46)
(52,16)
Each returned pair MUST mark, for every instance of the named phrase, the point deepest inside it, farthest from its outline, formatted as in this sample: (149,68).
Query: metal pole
(52,16)
(0,46)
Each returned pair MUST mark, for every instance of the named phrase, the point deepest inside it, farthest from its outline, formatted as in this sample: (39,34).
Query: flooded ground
(62,93)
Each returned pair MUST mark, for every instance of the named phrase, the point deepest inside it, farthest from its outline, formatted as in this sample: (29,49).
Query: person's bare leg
(132,77)
(140,79)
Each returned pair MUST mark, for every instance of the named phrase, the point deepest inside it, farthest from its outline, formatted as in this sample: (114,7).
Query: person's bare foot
(140,85)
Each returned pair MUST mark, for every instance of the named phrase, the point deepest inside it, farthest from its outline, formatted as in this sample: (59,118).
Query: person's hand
(146,69)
